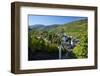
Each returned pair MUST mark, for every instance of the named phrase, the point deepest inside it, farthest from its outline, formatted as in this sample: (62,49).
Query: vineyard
(44,41)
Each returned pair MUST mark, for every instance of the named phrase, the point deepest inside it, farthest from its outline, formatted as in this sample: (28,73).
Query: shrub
(81,50)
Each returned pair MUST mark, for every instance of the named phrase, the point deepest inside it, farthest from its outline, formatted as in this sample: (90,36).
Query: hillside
(48,39)
(71,28)
(74,28)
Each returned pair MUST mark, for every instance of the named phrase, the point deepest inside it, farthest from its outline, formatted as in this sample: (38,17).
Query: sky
(49,20)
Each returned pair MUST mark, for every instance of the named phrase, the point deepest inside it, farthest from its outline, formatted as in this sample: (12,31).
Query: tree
(81,49)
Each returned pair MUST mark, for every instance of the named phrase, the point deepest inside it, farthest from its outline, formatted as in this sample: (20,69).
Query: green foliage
(49,40)
(81,50)
(52,48)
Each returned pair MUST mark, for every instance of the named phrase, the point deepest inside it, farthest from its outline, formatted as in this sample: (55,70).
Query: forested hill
(79,25)
(74,28)
(71,28)
(48,39)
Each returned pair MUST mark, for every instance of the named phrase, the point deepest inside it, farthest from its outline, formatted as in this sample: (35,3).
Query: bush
(81,50)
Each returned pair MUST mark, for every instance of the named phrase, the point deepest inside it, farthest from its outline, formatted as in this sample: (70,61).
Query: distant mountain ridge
(42,27)
(36,26)
(71,26)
